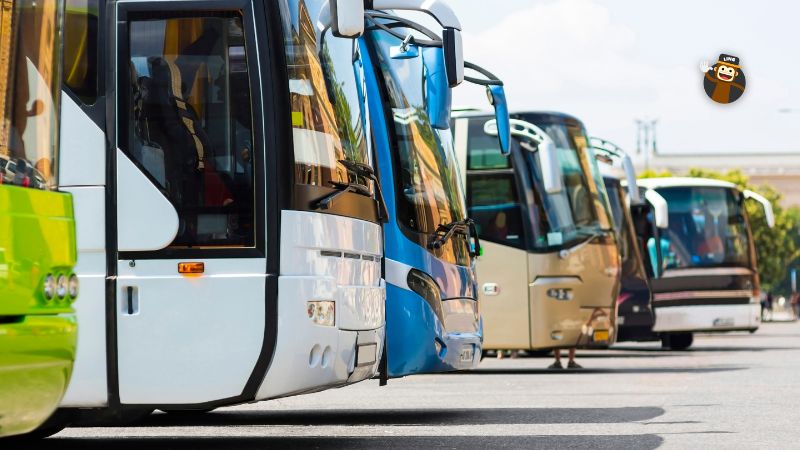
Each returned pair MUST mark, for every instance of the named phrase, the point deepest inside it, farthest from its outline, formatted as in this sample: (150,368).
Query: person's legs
(557,363)
(572,364)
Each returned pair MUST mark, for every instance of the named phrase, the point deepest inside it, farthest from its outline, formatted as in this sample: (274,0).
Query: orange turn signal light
(191,267)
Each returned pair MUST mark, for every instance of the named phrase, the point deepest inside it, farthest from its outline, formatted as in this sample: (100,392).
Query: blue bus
(432,318)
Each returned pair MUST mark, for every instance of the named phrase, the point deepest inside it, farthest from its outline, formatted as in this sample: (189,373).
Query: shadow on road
(646,441)
(386,417)
(653,351)
(622,371)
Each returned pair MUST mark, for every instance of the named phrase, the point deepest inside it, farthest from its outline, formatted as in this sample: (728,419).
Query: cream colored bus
(549,275)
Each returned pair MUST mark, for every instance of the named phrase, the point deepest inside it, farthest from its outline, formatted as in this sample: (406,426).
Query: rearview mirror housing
(407,51)
(630,176)
(347,18)
(453,56)
(497,97)
(769,213)
(551,167)
(660,208)
(438,96)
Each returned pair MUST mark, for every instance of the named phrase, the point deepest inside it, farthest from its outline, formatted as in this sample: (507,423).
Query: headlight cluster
(60,287)
(424,286)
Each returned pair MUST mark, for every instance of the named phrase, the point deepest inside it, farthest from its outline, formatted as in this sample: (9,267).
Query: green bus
(38,330)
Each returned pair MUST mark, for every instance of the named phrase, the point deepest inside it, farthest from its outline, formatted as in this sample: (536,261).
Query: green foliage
(650,173)
(777,247)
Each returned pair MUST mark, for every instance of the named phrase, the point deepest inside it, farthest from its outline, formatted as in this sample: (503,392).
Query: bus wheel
(58,421)
(677,341)
(107,417)
(187,412)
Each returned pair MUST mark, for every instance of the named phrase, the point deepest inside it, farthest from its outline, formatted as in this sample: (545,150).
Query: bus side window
(492,198)
(190,127)
(81,48)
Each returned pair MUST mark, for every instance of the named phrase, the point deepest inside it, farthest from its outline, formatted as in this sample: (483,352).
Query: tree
(777,248)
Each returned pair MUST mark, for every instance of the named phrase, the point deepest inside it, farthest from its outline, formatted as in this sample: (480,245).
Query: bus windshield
(571,215)
(429,191)
(707,228)
(29,93)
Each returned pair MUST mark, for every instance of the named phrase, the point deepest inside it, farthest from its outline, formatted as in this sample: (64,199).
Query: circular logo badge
(724,82)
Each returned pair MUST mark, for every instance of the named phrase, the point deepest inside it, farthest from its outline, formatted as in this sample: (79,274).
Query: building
(779,170)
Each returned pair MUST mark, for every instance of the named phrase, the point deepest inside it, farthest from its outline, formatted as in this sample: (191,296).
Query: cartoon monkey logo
(724,82)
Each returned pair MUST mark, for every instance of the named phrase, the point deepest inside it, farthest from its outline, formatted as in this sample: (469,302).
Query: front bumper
(417,341)
(708,318)
(310,357)
(36,358)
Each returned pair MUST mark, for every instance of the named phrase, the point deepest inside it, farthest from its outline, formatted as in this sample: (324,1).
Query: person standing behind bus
(570,365)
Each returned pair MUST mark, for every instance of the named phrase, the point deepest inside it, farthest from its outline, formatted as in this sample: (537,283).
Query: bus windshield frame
(708,228)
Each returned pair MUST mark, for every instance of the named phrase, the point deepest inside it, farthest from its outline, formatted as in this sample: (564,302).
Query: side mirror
(451,34)
(497,97)
(660,208)
(551,167)
(438,96)
(768,211)
(346,18)
(453,56)
(404,51)
(630,176)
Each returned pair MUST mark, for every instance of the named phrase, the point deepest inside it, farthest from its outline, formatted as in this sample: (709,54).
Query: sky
(610,62)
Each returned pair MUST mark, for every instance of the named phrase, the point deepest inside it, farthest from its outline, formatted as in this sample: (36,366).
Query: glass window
(29,93)
(707,228)
(80,48)
(191,124)
(429,191)
(495,207)
(484,150)
(572,214)
(327,113)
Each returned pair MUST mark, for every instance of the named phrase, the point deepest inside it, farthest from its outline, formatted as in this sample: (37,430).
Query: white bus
(704,274)
(229,235)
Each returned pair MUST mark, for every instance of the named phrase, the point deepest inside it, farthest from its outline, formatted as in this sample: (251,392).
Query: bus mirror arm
(769,213)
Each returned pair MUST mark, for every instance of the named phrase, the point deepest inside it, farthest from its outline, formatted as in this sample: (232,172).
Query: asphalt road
(728,391)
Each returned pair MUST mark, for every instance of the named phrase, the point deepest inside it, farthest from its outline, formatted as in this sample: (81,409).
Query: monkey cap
(729,60)
(725,82)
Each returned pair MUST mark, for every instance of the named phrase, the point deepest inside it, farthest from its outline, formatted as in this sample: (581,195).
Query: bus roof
(655,183)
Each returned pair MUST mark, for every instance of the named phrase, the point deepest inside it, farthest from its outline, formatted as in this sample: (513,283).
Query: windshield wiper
(464,227)
(359,170)
(342,188)
(592,236)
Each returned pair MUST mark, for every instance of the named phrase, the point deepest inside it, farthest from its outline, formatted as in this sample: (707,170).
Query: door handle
(130,303)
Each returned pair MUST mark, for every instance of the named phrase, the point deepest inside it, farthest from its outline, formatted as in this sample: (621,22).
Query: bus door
(494,203)
(191,264)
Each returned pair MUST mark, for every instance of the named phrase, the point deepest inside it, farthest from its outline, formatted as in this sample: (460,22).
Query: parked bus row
(266,199)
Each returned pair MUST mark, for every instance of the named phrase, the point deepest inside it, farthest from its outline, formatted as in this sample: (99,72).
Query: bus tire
(108,417)
(677,341)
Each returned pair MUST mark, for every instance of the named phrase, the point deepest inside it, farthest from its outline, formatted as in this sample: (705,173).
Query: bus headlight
(73,286)
(61,287)
(322,312)
(49,287)
(423,285)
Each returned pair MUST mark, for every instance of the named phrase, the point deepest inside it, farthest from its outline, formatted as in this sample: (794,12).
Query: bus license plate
(601,336)
(723,322)
(466,354)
